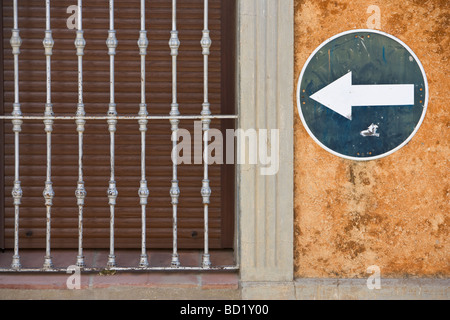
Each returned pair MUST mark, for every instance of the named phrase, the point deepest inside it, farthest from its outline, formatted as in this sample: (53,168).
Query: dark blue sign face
(362,94)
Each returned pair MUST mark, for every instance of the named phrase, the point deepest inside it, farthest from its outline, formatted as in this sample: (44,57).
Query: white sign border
(425,106)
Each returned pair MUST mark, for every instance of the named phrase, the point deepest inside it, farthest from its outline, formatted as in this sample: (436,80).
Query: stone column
(265,101)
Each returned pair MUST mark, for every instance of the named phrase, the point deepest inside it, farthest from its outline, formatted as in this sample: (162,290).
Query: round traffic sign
(362,94)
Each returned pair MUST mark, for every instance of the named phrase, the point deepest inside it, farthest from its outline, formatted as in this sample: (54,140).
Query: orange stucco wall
(392,212)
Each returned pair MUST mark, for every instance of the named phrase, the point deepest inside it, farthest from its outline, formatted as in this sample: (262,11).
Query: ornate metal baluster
(143,190)
(111,43)
(80,192)
(174,44)
(16,42)
(206,190)
(48,122)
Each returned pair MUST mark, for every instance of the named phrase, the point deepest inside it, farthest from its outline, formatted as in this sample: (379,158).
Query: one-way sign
(362,94)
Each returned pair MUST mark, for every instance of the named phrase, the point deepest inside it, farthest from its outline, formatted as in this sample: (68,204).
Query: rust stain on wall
(392,212)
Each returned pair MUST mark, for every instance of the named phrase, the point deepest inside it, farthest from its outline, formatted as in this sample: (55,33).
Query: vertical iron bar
(174,44)
(206,190)
(80,192)
(48,190)
(111,43)
(143,190)
(16,42)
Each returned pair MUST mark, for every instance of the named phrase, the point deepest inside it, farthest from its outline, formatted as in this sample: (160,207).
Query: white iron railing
(112,118)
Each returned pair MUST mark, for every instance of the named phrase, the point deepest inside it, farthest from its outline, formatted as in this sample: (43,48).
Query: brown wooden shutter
(64,230)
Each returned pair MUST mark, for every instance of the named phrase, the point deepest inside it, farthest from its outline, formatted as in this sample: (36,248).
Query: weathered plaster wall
(392,212)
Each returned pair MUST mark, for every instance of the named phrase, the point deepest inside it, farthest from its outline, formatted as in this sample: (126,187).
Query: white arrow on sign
(340,95)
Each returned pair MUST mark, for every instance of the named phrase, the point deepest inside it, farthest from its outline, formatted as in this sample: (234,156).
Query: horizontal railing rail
(124,117)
